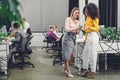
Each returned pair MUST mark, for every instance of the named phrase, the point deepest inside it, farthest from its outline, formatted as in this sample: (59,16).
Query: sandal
(91,75)
(84,73)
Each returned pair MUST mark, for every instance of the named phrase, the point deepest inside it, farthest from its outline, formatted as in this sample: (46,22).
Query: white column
(82,17)
(94,1)
(118,18)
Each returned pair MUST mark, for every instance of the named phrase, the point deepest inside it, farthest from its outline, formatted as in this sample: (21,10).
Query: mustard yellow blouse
(93,25)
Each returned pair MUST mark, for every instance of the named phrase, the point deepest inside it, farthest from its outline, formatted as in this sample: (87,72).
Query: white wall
(42,13)
(55,12)
(31,11)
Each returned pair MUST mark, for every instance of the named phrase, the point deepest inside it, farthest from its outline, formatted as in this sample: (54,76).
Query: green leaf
(9,11)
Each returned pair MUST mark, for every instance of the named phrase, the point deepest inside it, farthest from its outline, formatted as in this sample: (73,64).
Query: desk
(78,55)
(104,47)
(4,56)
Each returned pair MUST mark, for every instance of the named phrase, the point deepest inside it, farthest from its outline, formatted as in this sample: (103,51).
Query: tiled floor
(44,70)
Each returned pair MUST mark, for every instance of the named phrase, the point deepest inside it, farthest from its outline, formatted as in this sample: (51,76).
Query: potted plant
(2,36)
(111,34)
(9,12)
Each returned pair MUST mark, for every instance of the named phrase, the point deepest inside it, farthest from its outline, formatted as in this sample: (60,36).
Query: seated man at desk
(51,33)
(20,39)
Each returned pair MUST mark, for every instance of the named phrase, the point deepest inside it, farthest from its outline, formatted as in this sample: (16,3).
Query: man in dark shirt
(19,42)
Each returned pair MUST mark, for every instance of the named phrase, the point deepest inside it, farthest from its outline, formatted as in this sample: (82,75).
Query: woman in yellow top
(91,42)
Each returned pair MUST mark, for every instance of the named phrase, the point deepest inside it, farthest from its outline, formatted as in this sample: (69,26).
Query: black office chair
(28,33)
(58,57)
(49,42)
(22,54)
(58,47)
(55,44)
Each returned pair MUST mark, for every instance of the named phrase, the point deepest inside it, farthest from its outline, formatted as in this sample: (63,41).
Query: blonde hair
(73,10)
(52,26)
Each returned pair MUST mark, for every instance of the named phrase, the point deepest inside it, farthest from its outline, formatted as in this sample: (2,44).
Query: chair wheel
(33,66)
(21,68)
(53,64)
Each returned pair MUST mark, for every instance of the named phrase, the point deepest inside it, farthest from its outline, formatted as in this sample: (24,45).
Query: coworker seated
(20,39)
(51,34)
(56,29)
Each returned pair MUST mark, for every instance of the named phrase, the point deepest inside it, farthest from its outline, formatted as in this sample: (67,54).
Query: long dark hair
(92,10)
